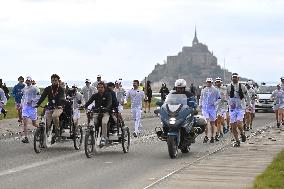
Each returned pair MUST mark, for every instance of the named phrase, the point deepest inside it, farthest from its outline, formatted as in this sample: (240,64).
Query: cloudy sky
(126,38)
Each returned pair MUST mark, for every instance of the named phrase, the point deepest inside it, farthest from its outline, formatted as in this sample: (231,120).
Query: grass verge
(273,176)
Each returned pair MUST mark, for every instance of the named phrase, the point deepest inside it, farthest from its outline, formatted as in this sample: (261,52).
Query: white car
(263,101)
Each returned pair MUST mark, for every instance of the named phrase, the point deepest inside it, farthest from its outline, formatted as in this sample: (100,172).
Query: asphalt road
(63,167)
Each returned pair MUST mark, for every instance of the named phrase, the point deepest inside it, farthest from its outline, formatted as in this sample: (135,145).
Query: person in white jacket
(88,90)
(209,100)
(3,102)
(78,101)
(30,97)
(136,96)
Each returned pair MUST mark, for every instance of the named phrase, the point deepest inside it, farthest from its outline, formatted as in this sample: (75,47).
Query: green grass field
(273,176)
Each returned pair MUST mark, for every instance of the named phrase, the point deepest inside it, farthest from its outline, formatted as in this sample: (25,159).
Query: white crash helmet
(180,83)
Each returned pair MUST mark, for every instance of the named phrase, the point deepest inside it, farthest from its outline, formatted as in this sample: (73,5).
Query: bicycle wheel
(78,138)
(125,135)
(38,139)
(89,144)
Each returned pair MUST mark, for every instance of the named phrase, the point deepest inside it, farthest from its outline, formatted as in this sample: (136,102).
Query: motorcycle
(180,123)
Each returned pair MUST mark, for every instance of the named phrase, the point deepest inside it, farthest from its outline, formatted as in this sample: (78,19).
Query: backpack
(232,92)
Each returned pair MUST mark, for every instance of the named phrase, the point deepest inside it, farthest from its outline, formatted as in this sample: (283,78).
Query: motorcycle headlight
(172,121)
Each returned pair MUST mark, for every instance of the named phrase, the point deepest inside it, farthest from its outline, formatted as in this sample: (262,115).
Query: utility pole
(224,69)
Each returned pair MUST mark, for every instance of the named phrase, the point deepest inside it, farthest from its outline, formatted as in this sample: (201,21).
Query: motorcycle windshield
(176,99)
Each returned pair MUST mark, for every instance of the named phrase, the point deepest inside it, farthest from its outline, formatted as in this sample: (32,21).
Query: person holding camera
(56,99)
(103,106)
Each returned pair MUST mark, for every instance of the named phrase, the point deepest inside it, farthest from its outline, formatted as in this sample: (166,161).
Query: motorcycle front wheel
(172,146)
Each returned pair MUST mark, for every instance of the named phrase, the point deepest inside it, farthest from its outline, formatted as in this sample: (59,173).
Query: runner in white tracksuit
(3,101)
(278,105)
(237,95)
(30,97)
(88,91)
(209,99)
(136,96)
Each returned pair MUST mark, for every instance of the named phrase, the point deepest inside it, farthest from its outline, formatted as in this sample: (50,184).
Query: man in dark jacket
(103,106)
(164,92)
(56,99)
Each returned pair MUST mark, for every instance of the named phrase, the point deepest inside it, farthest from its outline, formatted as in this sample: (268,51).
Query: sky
(79,39)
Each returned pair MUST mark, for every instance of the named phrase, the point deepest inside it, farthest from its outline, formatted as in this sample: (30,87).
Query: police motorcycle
(117,133)
(45,138)
(180,123)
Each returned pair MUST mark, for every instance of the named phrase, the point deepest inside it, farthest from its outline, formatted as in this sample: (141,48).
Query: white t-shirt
(136,97)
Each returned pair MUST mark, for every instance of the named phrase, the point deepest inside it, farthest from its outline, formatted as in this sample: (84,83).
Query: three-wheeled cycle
(45,137)
(117,133)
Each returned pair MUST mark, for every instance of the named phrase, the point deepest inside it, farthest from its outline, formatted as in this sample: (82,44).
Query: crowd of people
(226,108)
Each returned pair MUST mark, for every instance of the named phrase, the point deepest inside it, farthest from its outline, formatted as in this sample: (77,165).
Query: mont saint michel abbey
(194,64)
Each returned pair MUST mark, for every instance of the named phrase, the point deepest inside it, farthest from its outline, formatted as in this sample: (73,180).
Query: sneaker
(283,123)
(102,142)
(212,140)
(4,112)
(145,111)
(205,139)
(278,125)
(25,140)
(237,144)
(134,134)
(149,111)
(216,138)
(221,135)
(243,137)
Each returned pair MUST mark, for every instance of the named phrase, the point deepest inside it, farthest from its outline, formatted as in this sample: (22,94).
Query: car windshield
(176,99)
(266,89)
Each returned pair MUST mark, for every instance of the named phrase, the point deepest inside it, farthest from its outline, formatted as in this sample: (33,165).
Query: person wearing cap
(120,95)
(278,105)
(88,90)
(236,99)
(3,102)
(18,94)
(148,97)
(209,100)
(250,104)
(136,96)
(78,101)
(99,79)
(221,108)
(164,91)
(56,98)
(29,99)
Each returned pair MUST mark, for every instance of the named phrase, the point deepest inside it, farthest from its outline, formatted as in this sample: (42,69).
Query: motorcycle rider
(237,95)
(180,86)
(221,108)
(88,91)
(136,96)
(56,98)
(102,109)
(164,92)
(28,101)
(209,100)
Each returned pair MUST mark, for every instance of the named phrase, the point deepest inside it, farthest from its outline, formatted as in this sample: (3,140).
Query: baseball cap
(88,81)
(29,78)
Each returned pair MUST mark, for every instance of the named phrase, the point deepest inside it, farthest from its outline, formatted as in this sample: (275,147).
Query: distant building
(194,64)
